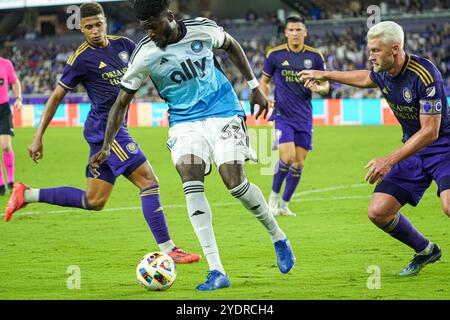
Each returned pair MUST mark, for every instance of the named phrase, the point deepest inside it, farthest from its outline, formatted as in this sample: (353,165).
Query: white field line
(333,198)
(226,204)
(321,190)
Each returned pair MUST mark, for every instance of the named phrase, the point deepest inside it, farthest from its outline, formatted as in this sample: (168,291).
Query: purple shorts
(286,131)
(410,178)
(125,158)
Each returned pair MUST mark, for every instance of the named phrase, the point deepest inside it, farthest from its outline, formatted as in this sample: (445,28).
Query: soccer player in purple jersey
(99,65)
(293,109)
(414,89)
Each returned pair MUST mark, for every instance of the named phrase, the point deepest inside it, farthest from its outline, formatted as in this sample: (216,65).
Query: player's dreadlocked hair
(90,9)
(144,9)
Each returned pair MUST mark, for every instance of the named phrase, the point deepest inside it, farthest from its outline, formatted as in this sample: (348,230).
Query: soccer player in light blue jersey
(414,89)
(99,64)
(207,122)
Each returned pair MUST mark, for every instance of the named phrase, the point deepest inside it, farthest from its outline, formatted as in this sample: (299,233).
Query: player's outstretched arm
(355,78)
(317,86)
(36,148)
(115,119)
(240,61)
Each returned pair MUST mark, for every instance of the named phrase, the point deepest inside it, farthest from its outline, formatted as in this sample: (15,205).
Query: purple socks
(292,181)
(154,214)
(65,197)
(402,229)
(151,206)
(292,175)
(281,171)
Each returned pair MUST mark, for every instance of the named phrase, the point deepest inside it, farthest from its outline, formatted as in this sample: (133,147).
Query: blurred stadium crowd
(347,51)
(40,64)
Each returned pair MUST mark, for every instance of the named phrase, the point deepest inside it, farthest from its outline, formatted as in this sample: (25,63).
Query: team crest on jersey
(124,56)
(132,148)
(307,63)
(197,46)
(407,95)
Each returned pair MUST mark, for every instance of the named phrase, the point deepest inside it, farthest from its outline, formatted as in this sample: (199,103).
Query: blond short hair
(388,31)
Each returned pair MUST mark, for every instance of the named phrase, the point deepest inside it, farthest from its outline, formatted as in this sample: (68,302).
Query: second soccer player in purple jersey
(99,65)
(414,89)
(293,109)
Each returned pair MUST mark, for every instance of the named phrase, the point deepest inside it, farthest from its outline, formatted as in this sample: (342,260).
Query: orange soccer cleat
(16,201)
(180,256)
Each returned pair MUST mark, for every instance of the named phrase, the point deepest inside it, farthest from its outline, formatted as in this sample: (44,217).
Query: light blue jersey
(186,73)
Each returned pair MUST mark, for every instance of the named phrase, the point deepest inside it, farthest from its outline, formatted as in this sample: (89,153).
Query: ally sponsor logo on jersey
(190,70)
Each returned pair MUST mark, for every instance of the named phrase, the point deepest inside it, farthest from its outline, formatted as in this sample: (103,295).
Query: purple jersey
(292,99)
(100,71)
(417,90)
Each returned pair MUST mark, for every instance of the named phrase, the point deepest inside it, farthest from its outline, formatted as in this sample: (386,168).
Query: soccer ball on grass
(156,271)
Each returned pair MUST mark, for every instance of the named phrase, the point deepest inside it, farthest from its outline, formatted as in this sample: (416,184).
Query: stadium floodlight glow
(13,4)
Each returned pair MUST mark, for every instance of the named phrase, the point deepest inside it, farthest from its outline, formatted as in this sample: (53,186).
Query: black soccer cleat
(10,186)
(419,261)
(2,190)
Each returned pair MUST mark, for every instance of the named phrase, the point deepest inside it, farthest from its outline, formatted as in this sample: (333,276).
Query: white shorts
(214,140)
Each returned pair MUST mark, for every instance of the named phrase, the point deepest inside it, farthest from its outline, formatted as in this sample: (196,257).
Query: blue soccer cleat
(285,255)
(419,261)
(215,280)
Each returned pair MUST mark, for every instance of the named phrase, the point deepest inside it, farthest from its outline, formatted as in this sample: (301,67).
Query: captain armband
(430,107)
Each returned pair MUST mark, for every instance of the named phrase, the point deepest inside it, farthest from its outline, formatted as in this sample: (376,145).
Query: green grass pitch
(336,245)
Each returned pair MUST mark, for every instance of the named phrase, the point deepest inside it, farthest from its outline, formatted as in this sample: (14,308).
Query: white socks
(284,204)
(252,199)
(273,199)
(201,219)
(167,246)
(31,195)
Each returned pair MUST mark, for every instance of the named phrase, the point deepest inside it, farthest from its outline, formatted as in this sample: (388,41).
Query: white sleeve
(216,32)
(136,74)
